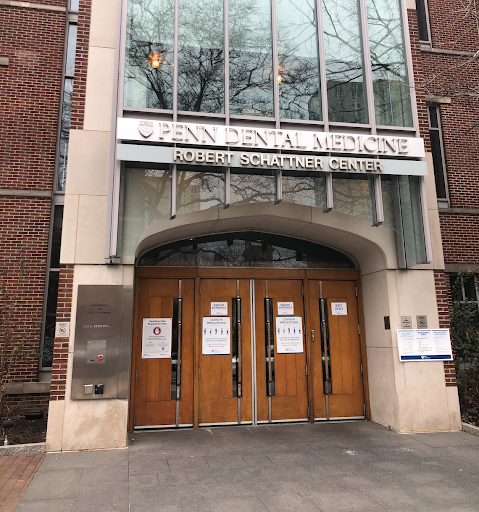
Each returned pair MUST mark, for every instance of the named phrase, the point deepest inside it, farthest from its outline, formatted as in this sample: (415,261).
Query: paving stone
(53,484)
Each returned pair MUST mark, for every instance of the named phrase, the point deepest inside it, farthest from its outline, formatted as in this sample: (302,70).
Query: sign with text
(339,308)
(285,308)
(244,137)
(424,345)
(289,334)
(156,340)
(219,308)
(216,335)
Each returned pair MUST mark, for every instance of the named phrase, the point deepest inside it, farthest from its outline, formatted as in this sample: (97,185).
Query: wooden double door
(246,349)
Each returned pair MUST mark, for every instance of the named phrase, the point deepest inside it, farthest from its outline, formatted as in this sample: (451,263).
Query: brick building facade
(36,82)
(32,47)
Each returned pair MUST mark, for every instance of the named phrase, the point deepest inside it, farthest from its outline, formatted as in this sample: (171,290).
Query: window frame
(424,42)
(442,202)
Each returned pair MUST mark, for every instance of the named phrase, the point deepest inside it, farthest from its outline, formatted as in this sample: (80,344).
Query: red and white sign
(156,341)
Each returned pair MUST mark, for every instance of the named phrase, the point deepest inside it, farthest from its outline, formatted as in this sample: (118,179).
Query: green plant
(465,335)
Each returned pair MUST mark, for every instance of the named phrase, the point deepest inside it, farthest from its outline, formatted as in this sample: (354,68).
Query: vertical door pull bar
(240,351)
(268,347)
(180,336)
(325,340)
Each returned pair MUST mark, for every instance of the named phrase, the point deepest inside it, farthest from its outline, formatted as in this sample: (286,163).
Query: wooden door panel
(154,399)
(344,350)
(290,400)
(218,403)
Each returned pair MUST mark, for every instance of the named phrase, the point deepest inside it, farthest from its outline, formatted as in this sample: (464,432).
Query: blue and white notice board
(424,345)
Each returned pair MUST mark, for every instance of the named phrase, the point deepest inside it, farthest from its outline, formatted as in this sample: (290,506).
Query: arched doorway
(246,328)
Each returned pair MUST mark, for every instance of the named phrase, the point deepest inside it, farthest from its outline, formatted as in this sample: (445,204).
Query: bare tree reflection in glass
(252,188)
(344,61)
(199,190)
(201,56)
(352,195)
(149,54)
(298,69)
(392,103)
(146,199)
(305,190)
(250,57)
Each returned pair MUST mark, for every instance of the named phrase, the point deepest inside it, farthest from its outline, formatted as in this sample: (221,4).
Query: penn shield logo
(145,128)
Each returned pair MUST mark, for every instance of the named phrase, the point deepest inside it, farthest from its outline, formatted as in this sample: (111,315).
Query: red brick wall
(81,65)
(61,345)
(451,28)
(30,95)
(24,231)
(20,404)
(443,296)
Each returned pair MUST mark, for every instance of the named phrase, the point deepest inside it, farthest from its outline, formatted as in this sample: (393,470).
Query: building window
(65,119)
(423,21)
(438,157)
(261,59)
(52,294)
(466,290)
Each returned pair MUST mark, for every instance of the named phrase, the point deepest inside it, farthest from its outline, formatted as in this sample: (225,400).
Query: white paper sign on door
(285,308)
(219,308)
(216,335)
(339,308)
(289,334)
(156,340)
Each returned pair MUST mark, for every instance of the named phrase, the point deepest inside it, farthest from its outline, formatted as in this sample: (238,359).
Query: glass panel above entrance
(247,249)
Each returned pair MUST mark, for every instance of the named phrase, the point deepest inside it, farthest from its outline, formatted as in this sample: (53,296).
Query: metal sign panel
(101,347)
(254,160)
(247,138)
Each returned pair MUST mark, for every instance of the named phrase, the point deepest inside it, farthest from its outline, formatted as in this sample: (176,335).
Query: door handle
(312,334)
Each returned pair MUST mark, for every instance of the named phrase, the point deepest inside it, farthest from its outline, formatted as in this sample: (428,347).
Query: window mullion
(322,65)
(368,73)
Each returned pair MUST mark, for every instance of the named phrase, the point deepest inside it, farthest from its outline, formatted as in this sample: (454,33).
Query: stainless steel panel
(103,328)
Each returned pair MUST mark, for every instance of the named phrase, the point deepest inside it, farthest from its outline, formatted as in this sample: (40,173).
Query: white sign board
(339,308)
(156,340)
(248,137)
(216,335)
(289,335)
(424,345)
(62,330)
(285,308)
(219,308)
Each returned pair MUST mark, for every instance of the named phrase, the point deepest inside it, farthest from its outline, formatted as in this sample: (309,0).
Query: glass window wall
(149,54)
(235,62)
(250,58)
(392,103)
(199,190)
(201,58)
(306,190)
(344,61)
(298,60)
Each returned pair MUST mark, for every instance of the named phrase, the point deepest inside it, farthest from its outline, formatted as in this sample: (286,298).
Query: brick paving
(16,472)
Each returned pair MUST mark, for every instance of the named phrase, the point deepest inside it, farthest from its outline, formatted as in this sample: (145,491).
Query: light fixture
(155,60)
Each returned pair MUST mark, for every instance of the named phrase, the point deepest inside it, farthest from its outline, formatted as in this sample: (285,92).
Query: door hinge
(134,419)
(302,290)
(308,411)
(361,368)
(356,290)
(200,289)
(199,373)
(139,289)
(359,330)
(136,374)
(306,369)
(137,332)
(364,409)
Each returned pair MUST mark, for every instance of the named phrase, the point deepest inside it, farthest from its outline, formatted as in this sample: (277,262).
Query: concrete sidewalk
(354,466)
